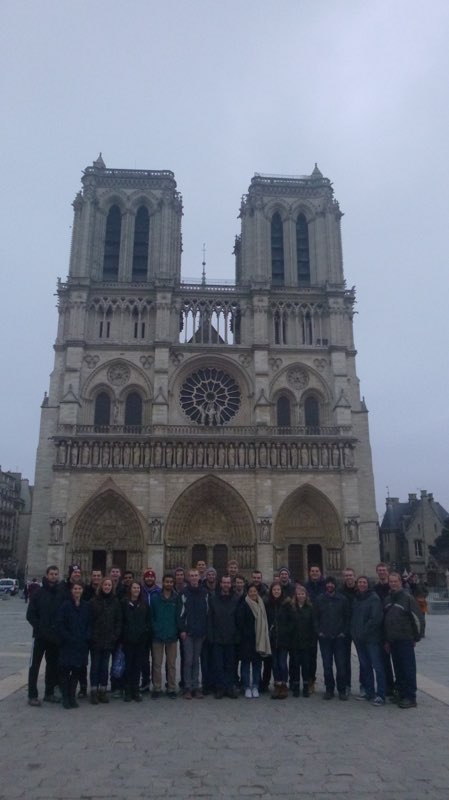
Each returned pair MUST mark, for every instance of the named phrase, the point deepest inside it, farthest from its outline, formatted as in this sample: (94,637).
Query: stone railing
(219,454)
(196,431)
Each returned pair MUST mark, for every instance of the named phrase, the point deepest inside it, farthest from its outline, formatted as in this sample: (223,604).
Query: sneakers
(187,694)
(171,695)
(155,694)
(312,683)
(145,689)
(328,696)
(361,695)
(34,701)
(342,696)
(255,691)
(82,694)
(198,694)
(117,694)
(378,701)
(407,703)
(248,694)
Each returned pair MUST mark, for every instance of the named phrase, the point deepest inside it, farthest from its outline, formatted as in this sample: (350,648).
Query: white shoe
(255,691)
(248,694)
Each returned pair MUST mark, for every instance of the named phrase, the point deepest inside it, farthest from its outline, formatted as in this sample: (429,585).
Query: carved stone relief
(118,374)
(297,378)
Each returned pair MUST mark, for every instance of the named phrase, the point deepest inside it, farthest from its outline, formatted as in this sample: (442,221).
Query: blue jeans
(99,663)
(280,669)
(404,662)
(256,663)
(333,650)
(371,660)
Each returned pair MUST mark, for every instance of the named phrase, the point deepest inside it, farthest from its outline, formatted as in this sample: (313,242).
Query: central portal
(210,521)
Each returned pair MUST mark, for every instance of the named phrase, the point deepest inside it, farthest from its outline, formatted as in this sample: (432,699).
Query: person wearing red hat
(149,588)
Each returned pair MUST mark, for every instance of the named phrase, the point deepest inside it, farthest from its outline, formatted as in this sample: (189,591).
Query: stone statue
(179,455)
(105,456)
(221,455)
(56,531)
(251,455)
(242,455)
(156,531)
(304,455)
(190,455)
(294,456)
(116,454)
(157,455)
(210,455)
(200,455)
(348,456)
(74,454)
(126,455)
(263,455)
(314,455)
(324,455)
(265,530)
(231,456)
(136,455)
(353,530)
(146,455)
(168,455)
(85,455)
(62,453)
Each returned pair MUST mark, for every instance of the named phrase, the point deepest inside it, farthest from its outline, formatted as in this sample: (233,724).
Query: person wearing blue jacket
(73,631)
(366,633)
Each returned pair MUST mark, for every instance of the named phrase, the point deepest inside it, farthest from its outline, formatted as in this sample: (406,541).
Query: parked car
(9,586)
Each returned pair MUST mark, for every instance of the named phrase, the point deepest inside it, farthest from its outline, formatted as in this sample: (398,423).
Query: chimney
(412,498)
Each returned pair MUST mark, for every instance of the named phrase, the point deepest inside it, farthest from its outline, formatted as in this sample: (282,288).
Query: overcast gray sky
(215,92)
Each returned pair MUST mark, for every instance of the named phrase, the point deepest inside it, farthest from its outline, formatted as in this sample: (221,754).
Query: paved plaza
(298,748)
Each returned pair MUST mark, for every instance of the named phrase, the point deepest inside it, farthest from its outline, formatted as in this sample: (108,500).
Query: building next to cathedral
(407,532)
(187,420)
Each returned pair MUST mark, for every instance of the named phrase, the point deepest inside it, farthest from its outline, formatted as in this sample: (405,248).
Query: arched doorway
(107,532)
(307,531)
(212,518)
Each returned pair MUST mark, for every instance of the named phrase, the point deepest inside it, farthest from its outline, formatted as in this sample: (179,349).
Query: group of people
(234,633)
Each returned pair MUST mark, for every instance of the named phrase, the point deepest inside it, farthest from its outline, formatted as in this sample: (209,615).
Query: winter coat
(192,611)
(367,617)
(136,622)
(315,589)
(246,625)
(280,622)
(73,631)
(42,611)
(222,622)
(403,619)
(332,615)
(105,621)
(303,631)
(164,617)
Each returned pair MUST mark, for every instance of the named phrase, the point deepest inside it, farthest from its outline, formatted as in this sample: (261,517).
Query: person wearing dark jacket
(42,612)
(210,585)
(223,633)
(192,613)
(149,589)
(332,618)
(73,632)
(165,636)
(366,632)
(136,629)
(315,586)
(303,634)
(349,590)
(105,618)
(280,625)
(402,629)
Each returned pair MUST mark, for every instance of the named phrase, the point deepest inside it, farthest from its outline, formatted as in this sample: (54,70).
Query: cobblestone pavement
(304,749)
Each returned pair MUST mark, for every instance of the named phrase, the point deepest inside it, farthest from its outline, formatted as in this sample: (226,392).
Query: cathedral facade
(186,420)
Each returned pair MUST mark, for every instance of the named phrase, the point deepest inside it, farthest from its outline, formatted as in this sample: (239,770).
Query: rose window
(210,396)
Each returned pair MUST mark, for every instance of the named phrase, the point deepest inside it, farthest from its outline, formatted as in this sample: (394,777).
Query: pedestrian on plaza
(192,614)
(42,612)
(382,589)
(287,585)
(366,632)
(136,630)
(211,587)
(303,635)
(149,589)
(165,636)
(403,628)
(315,586)
(223,633)
(73,633)
(348,589)
(280,625)
(89,591)
(105,618)
(332,620)
(31,589)
(254,639)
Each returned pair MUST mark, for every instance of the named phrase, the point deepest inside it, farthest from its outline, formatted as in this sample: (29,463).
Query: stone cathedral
(189,419)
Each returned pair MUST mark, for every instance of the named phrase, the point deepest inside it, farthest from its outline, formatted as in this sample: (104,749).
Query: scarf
(263,646)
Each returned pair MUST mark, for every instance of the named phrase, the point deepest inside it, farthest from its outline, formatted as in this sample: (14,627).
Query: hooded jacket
(403,619)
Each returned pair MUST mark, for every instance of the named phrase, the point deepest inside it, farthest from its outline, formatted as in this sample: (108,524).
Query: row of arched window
(112,242)
(284,412)
(133,411)
(277,250)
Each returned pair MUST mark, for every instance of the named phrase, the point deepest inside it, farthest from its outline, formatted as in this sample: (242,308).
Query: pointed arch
(107,523)
(302,250)
(210,512)
(141,244)
(112,239)
(308,521)
(277,250)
